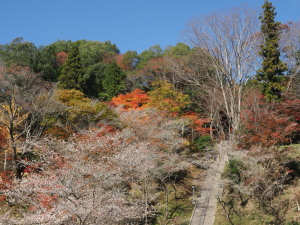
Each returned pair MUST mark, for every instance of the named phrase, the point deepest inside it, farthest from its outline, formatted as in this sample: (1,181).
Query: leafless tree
(77,183)
(229,42)
(290,49)
(94,180)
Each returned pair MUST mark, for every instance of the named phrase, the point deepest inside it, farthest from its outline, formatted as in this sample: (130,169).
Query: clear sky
(130,24)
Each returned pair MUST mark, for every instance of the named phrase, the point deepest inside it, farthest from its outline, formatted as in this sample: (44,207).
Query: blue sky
(130,24)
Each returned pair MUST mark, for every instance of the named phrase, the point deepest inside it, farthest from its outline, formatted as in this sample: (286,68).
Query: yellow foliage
(166,99)
(78,105)
(10,114)
(186,143)
(79,108)
(71,97)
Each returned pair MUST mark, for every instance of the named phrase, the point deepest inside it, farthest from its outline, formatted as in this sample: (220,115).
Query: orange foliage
(168,102)
(123,64)
(133,100)
(119,60)
(198,123)
(61,58)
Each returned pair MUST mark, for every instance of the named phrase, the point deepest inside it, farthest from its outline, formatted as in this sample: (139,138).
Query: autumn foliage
(106,129)
(163,98)
(61,58)
(136,99)
(166,99)
(3,135)
(268,124)
(167,102)
(198,124)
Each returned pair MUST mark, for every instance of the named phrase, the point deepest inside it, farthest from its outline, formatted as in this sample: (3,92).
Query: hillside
(201,132)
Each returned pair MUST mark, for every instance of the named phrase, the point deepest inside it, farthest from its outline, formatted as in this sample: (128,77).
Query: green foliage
(234,170)
(91,52)
(71,74)
(178,50)
(40,60)
(108,47)
(61,46)
(113,81)
(44,63)
(92,79)
(203,142)
(293,223)
(130,60)
(18,52)
(271,75)
(103,80)
(84,69)
(151,53)
(180,211)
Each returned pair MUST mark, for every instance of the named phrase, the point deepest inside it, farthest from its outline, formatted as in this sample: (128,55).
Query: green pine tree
(271,75)
(71,73)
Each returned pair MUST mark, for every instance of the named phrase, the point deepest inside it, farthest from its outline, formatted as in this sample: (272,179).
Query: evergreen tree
(71,73)
(113,81)
(271,75)
(92,79)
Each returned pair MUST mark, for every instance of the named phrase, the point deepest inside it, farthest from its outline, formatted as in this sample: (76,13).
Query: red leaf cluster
(269,124)
(106,129)
(59,132)
(61,58)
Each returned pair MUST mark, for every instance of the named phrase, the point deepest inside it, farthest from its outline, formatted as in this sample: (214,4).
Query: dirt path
(206,202)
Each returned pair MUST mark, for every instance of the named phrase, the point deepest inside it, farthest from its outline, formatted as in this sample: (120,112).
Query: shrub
(234,170)
(164,98)
(81,111)
(268,124)
(203,142)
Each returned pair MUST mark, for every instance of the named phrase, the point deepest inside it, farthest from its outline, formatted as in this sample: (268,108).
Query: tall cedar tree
(271,75)
(71,73)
